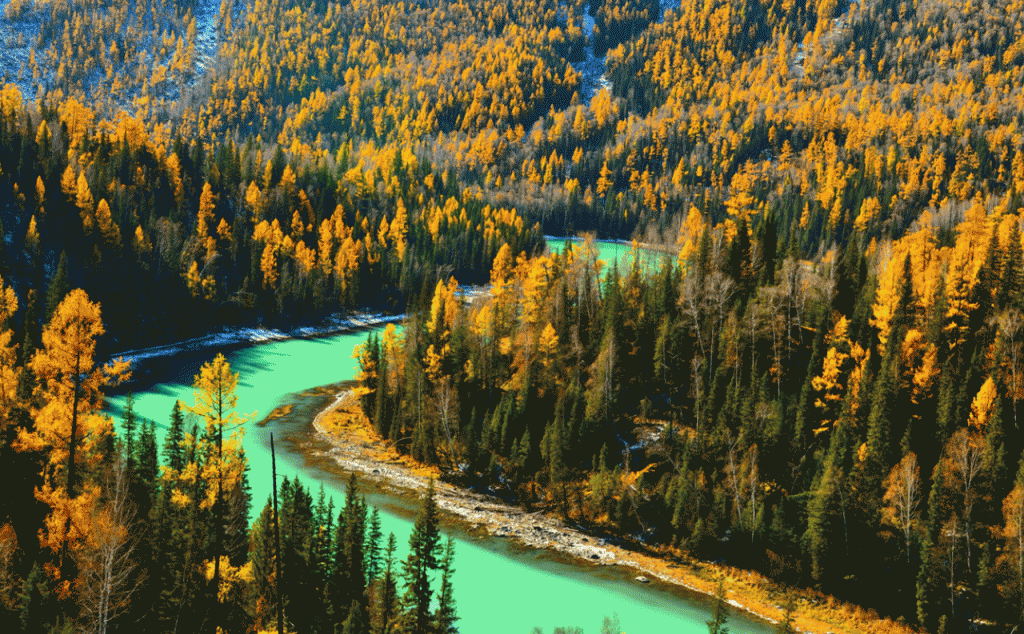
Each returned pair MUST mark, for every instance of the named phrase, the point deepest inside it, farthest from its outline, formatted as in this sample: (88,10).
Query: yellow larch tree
(443,308)
(108,228)
(981,406)
(84,202)
(67,418)
(215,402)
(204,217)
(10,373)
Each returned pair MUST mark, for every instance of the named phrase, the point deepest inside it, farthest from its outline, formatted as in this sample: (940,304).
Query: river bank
(356,448)
(250,335)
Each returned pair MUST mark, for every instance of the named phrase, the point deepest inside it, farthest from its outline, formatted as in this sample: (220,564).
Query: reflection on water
(500,588)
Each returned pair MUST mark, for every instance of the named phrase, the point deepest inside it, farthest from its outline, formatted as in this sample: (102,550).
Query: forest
(826,363)
(113,532)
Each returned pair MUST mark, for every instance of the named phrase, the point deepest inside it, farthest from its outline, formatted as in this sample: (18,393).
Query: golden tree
(215,401)
(67,419)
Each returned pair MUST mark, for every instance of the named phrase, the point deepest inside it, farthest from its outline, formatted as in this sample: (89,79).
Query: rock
(642,579)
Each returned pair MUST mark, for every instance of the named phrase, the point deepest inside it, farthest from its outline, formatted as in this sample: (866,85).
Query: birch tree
(902,497)
(107,561)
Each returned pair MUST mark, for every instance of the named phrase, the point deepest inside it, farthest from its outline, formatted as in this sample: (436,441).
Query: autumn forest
(810,366)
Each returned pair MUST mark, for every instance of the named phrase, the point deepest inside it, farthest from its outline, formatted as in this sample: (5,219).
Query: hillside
(822,385)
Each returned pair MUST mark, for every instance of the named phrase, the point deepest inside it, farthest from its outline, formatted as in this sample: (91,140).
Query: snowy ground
(260,335)
(15,40)
(798,65)
(17,36)
(207,34)
(593,69)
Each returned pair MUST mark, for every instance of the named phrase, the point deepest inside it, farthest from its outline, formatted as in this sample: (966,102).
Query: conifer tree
(445,616)
(424,548)
(59,286)
(387,593)
(717,624)
(215,402)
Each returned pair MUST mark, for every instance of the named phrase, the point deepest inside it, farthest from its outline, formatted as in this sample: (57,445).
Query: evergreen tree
(261,592)
(387,591)
(37,602)
(128,425)
(785,625)
(347,582)
(717,624)
(172,450)
(424,548)
(59,287)
(445,616)
(372,548)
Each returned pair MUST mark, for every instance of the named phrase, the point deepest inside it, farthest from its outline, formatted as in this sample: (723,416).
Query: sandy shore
(356,450)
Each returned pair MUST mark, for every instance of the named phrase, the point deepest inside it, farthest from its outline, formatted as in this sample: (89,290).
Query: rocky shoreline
(536,530)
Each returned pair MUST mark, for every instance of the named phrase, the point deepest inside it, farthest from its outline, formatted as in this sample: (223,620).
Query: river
(616,252)
(500,588)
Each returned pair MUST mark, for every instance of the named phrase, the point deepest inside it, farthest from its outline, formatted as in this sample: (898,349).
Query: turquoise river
(501,588)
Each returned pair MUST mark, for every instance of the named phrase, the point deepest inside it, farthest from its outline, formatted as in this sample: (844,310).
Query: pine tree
(173,452)
(717,624)
(357,621)
(424,547)
(128,425)
(37,602)
(785,625)
(387,593)
(372,548)
(347,582)
(59,286)
(261,597)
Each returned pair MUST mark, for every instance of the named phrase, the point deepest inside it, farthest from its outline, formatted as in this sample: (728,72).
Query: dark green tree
(424,548)
(445,616)
(717,624)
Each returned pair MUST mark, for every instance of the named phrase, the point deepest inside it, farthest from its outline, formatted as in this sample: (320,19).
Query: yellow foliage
(981,406)
(443,308)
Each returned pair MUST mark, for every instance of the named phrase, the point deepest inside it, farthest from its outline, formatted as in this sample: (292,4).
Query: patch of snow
(666,6)
(593,69)
(207,36)
(16,37)
(258,335)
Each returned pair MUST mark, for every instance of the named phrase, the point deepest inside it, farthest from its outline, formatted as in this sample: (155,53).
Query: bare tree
(771,300)
(1013,533)
(720,289)
(743,488)
(446,406)
(733,480)
(903,496)
(692,304)
(107,559)
(754,482)
(705,302)
(695,367)
(952,530)
(964,452)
